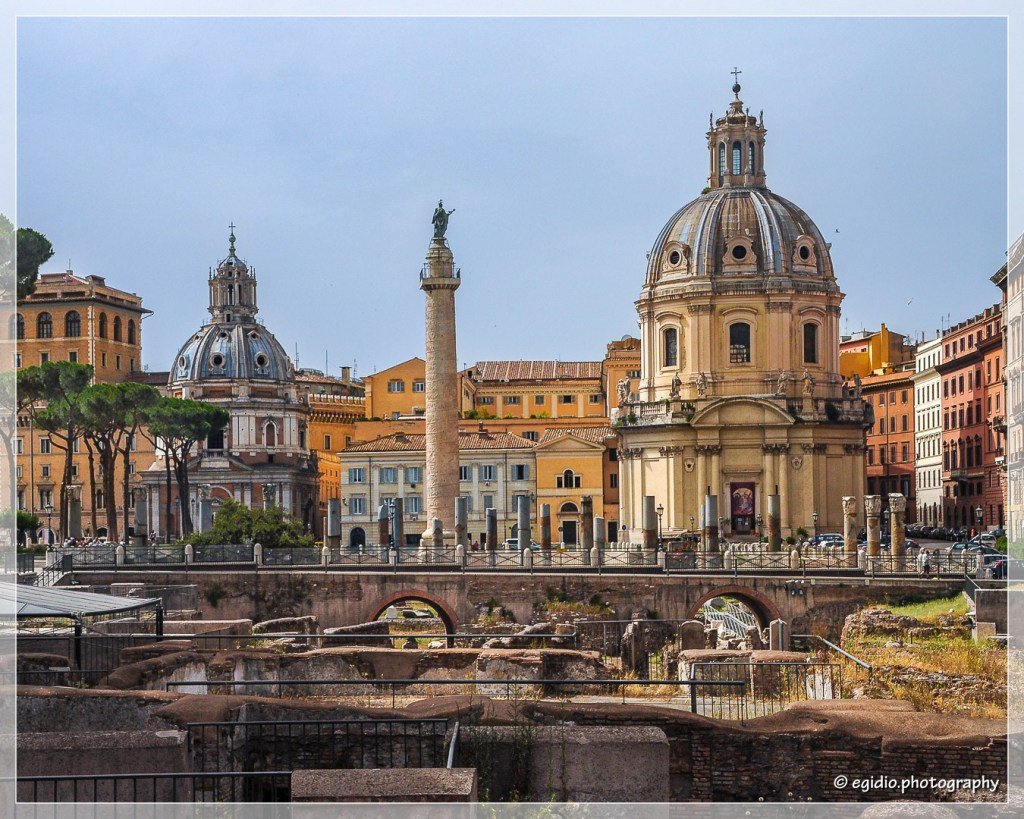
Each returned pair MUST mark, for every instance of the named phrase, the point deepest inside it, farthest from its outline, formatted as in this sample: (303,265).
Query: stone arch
(444,611)
(763,608)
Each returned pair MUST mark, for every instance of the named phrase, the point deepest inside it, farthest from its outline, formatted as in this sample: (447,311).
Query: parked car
(958,547)
(828,539)
(985,538)
(513,544)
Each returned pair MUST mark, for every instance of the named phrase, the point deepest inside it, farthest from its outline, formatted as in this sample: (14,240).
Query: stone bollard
(595,557)
(119,555)
(794,559)
(662,559)
(460,555)
(491,518)
(711,523)
(650,523)
(325,555)
(462,522)
(872,510)
(437,536)
(383,525)
(523,531)
(730,559)
(393,556)
(527,558)
(190,554)
(257,554)
(599,533)
(778,635)
(862,559)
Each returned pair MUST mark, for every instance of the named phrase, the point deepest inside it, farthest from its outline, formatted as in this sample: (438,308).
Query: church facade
(263,457)
(739,393)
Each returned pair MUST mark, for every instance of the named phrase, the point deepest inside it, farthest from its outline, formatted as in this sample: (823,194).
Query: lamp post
(979,513)
(760,531)
(661,511)
(886,514)
(814,517)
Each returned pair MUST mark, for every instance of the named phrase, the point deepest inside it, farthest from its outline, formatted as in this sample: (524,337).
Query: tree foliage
(236,523)
(33,250)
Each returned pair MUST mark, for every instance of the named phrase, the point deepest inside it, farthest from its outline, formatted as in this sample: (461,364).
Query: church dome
(234,345)
(739,230)
(236,350)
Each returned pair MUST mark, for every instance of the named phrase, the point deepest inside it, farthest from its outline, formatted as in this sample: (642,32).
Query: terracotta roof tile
(535,370)
(595,434)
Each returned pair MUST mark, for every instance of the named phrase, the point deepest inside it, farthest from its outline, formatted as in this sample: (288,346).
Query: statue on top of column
(622,389)
(440,220)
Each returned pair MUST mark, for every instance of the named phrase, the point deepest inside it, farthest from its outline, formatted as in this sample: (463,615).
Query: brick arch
(445,612)
(763,608)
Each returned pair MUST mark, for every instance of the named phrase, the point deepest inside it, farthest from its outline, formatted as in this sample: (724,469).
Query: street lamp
(885,516)
(814,517)
(760,527)
(979,513)
(661,511)
(49,531)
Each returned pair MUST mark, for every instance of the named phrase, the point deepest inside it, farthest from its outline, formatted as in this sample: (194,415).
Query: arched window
(270,434)
(19,325)
(722,169)
(44,326)
(751,167)
(568,508)
(739,343)
(72,324)
(117,328)
(131,331)
(670,347)
(567,480)
(810,343)
(737,159)
(103,325)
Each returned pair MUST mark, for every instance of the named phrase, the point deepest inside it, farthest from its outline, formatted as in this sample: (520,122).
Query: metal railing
(770,687)
(224,553)
(292,556)
(155,554)
(317,744)
(90,656)
(253,786)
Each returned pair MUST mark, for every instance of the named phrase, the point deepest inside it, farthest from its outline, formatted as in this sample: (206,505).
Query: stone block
(385,785)
(568,763)
(691,635)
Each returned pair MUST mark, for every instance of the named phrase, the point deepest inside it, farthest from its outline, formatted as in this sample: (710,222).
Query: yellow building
(538,389)
(866,353)
(740,394)
(81,319)
(573,462)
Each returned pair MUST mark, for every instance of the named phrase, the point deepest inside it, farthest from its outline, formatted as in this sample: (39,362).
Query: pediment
(741,412)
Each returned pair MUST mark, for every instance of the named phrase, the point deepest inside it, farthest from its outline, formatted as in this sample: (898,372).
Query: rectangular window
(327,441)
(905,452)
(465,473)
(567,399)
(73,356)
(530,435)
(881,426)
(613,454)
(46,498)
(44,446)
(511,399)
(881,454)
(389,474)
(595,398)
(414,474)
(103,359)
(520,472)
(538,399)
(419,386)
(413,504)
(485,399)
(357,474)
(19,446)
(488,473)
(810,343)
(17,361)
(488,501)
(633,374)
(46,470)
(892,454)
(613,480)
(44,357)
(903,423)
(117,365)
(357,505)
(396,385)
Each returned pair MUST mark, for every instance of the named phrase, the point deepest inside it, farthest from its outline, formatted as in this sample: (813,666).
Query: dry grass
(928,611)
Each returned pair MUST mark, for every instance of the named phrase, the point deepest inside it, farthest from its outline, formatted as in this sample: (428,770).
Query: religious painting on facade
(741,507)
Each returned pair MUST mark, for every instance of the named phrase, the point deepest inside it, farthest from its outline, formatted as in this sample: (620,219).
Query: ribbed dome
(741,231)
(244,350)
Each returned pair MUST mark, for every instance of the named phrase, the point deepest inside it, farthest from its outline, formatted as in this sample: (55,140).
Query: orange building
(890,460)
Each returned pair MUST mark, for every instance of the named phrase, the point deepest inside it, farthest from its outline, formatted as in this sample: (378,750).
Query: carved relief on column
(850,529)
(872,510)
(897,524)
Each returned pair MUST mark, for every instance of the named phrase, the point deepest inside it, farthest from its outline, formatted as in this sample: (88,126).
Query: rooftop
(468,441)
(597,435)
(534,370)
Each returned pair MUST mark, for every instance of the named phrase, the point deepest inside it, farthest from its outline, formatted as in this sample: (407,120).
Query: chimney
(346,373)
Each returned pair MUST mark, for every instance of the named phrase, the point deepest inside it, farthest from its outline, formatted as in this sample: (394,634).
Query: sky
(564,146)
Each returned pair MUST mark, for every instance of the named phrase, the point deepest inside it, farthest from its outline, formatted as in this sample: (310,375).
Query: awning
(53,601)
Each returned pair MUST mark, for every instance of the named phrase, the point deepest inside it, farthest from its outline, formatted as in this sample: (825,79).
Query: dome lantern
(736,146)
(232,287)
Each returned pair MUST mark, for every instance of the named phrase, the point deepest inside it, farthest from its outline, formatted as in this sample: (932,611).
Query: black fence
(90,656)
(318,744)
(769,687)
(256,786)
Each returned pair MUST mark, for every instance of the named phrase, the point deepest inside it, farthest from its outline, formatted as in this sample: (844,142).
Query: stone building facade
(740,390)
(263,457)
(928,431)
(1013,288)
(891,440)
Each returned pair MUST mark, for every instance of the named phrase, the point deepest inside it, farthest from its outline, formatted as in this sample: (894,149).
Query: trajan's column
(439,280)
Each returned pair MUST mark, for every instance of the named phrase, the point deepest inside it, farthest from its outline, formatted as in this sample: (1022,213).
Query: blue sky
(563,144)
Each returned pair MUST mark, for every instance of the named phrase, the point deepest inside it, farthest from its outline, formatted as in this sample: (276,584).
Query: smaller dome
(236,350)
